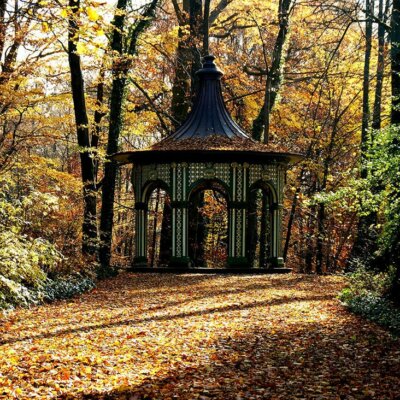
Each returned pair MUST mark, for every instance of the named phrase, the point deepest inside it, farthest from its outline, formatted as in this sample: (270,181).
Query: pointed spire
(209,115)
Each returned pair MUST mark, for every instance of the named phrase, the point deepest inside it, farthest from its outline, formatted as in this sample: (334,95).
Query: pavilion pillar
(276,242)
(180,227)
(140,259)
(237,214)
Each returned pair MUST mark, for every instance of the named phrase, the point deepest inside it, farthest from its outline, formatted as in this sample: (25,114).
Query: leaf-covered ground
(145,336)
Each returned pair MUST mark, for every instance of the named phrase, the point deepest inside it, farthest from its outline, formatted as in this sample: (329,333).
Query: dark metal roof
(209,115)
(209,133)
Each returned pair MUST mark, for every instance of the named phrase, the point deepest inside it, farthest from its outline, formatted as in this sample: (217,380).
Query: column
(180,258)
(276,259)
(140,259)
(237,257)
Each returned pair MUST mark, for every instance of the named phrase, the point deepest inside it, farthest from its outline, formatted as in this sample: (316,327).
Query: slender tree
(85,141)
(364,230)
(394,251)
(121,66)
(273,74)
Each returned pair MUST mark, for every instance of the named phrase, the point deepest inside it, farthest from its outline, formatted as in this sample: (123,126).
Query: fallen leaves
(155,336)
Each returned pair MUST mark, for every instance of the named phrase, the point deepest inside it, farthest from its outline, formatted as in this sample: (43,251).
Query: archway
(208,225)
(260,227)
(158,237)
(124,216)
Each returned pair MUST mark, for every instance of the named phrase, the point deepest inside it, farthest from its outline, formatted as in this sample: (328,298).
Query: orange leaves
(198,337)
(65,374)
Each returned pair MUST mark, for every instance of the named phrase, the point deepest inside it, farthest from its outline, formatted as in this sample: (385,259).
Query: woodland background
(80,80)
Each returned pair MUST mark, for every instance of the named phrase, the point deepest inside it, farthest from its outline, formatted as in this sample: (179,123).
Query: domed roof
(209,130)
(209,115)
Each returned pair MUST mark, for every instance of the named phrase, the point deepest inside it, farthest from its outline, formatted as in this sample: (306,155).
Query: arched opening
(123,246)
(260,226)
(158,227)
(208,225)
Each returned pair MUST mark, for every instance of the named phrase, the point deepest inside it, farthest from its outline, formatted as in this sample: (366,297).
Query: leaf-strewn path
(144,336)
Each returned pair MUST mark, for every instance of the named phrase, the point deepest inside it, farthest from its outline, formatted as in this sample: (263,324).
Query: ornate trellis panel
(199,171)
(180,178)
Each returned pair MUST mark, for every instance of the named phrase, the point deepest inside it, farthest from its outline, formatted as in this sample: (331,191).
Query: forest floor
(152,336)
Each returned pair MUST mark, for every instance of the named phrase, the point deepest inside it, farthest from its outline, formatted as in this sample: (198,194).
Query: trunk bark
(363,235)
(291,216)
(380,68)
(265,225)
(395,120)
(252,227)
(187,59)
(120,69)
(274,74)
(153,254)
(88,170)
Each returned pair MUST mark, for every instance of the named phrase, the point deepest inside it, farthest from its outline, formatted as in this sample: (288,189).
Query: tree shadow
(303,361)
(167,317)
(133,286)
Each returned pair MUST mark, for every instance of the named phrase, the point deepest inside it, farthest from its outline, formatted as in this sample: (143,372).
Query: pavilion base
(179,264)
(234,265)
(276,262)
(139,262)
(238,263)
(239,271)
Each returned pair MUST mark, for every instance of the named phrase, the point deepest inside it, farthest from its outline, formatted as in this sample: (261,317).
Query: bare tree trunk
(380,68)
(154,237)
(120,69)
(181,87)
(88,169)
(166,232)
(291,216)
(264,234)
(363,235)
(206,24)
(252,228)
(394,255)
(187,58)
(274,74)
(3,25)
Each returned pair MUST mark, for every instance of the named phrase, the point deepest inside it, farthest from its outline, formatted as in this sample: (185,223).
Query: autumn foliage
(165,336)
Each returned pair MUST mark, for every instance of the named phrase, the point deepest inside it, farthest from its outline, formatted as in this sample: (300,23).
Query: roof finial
(208,61)
(209,68)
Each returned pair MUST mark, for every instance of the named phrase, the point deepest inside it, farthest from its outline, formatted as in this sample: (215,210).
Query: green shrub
(366,296)
(364,281)
(66,288)
(374,308)
(29,266)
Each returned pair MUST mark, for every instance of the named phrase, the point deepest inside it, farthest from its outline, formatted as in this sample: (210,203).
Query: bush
(30,266)
(66,288)
(374,308)
(366,296)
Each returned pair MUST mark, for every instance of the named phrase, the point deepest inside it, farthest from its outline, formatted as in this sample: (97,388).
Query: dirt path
(143,336)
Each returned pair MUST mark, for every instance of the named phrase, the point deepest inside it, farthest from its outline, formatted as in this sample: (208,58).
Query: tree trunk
(320,239)
(363,231)
(380,68)
(274,74)
(181,87)
(395,120)
(166,233)
(206,25)
(252,227)
(120,69)
(88,170)
(187,59)
(3,25)
(291,216)
(153,254)
(264,230)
